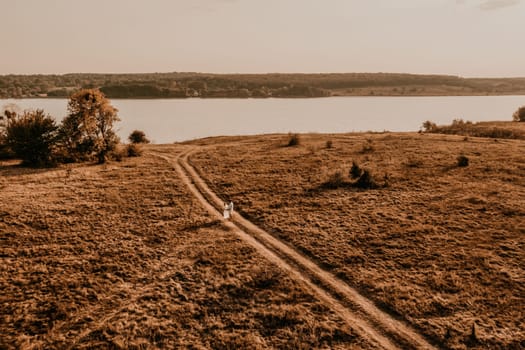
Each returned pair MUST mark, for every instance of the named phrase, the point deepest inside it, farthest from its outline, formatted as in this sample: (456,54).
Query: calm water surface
(170,120)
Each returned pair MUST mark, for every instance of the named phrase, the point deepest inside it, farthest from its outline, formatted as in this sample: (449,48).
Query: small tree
(429,126)
(138,136)
(87,130)
(519,115)
(32,137)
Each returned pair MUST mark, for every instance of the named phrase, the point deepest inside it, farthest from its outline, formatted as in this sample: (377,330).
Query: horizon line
(266,73)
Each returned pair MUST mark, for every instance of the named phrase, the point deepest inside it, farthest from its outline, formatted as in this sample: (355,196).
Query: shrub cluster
(335,180)
(86,133)
(468,128)
(363,179)
(32,136)
(133,150)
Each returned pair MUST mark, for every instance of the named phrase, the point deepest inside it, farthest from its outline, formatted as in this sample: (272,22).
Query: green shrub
(32,137)
(138,136)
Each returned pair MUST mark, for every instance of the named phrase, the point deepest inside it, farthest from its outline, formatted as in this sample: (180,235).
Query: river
(170,120)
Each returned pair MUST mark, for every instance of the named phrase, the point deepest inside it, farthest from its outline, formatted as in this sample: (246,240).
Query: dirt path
(361,314)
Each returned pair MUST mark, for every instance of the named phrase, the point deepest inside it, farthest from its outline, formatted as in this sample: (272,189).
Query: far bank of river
(170,120)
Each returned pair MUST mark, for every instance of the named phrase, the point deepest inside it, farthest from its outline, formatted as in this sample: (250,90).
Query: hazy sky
(458,37)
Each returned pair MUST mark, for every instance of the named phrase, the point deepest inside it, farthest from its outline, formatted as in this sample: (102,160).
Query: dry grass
(442,247)
(120,256)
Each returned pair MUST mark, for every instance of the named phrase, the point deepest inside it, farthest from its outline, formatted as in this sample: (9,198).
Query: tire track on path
(374,325)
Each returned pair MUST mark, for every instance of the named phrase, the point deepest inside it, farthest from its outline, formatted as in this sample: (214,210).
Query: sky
(470,38)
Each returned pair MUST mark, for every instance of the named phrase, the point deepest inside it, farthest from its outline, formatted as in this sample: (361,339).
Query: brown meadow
(439,245)
(122,256)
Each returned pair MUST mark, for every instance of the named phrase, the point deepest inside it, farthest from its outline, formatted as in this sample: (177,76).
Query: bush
(429,126)
(366,181)
(293,140)
(32,137)
(138,136)
(355,171)
(519,115)
(335,180)
(481,129)
(5,152)
(329,144)
(119,153)
(133,150)
(462,161)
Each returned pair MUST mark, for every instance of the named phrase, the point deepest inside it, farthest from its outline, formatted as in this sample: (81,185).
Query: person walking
(228,210)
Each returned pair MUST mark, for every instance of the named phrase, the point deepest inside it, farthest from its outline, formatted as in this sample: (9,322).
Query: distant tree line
(184,85)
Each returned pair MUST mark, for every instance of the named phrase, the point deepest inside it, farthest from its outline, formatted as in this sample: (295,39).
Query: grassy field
(121,257)
(439,245)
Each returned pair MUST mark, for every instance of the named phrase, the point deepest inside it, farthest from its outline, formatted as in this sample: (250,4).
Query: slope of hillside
(441,246)
(121,256)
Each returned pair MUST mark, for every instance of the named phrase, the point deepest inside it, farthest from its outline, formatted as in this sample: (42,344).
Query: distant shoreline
(207,85)
(262,98)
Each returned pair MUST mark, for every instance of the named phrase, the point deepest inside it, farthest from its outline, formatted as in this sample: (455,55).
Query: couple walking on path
(228,210)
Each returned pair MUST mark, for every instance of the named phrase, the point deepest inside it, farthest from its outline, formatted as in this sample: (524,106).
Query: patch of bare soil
(437,243)
(122,256)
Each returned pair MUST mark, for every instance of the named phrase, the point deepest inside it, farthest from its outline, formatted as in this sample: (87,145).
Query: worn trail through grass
(359,312)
